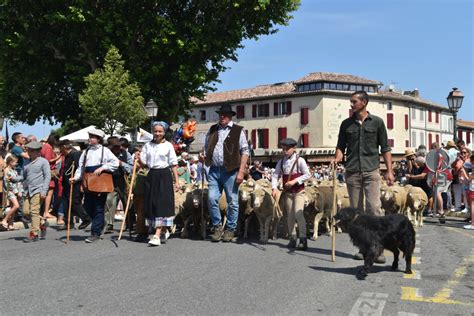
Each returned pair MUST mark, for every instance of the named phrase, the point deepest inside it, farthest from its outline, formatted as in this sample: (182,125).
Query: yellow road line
(414,276)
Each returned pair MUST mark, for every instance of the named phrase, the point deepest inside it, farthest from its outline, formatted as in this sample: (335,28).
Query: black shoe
(292,242)
(217,235)
(442,219)
(84,224)
(303,244)
(467,220)
(91,239)
(109,229)
(141,238)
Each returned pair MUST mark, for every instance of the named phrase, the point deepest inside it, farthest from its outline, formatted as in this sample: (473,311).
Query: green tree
(174,50)
(109,100)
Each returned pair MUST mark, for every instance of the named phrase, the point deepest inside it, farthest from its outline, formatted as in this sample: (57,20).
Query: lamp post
(455,99)
(151,109)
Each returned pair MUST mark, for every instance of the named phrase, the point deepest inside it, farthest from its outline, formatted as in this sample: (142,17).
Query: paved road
(199,277)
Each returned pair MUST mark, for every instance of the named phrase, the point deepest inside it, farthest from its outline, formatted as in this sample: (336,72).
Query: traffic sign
(437,160)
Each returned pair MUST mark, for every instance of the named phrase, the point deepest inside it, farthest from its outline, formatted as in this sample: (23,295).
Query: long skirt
(159,198)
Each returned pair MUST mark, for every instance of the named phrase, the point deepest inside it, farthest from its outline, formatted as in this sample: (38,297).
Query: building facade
(311,110)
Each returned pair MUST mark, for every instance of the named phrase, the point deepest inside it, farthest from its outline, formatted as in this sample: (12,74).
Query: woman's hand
(98,171)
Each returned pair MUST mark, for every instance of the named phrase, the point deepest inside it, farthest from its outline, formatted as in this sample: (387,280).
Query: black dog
(372,234)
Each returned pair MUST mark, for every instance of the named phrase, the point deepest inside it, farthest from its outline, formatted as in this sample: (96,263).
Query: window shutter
(437,117)
(429,116)
(288,108)
(437,139)
(430,139)
(390,120)
(254,138)
(275,109)
(304,116)
(254,110)
(468,137)
(459,134)
(240,111)
(406,121)
(265,138)
(407,143)
(281,135)
(305,140)
(391,143)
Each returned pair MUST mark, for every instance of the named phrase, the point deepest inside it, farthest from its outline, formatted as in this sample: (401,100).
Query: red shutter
(350,112)
(304,116)
(390,120)
(240,111)
(407,143)
(429,116)
(430,139)
(459,134)
(468,137)
(265,138)
(305,140)
(275,108)
(406,121)
(281,135)
(254,110)
(288,108)
(437,139)
(437,117)
(267,109)
(254,138)
(391,143)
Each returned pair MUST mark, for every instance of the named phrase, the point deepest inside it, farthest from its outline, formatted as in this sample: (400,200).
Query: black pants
(77,207)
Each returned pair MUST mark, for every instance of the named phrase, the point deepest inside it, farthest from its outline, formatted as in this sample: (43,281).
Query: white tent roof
(81,136)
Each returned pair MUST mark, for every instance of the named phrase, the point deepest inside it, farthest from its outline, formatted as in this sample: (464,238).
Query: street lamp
(455,99)
(151,109)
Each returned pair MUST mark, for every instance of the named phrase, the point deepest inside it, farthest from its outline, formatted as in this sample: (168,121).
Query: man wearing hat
(294,172)
(95,159)
(226,154)
(36,183)
(362,137)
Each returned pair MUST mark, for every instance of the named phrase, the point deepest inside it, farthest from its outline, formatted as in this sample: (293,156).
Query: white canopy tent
(81,136)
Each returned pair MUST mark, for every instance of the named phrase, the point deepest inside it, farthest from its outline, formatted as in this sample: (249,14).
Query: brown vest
(231,147)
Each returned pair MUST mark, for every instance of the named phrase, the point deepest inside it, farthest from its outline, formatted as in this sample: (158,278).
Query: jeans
(220,179)
(95,205)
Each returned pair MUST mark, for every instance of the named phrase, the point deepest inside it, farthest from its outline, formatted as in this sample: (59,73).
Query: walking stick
(71,186)
(203,221)
(129,197)
(333,213)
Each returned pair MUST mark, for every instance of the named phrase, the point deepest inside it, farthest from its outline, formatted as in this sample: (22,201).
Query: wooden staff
(71,187)
(333,213)
(130,189)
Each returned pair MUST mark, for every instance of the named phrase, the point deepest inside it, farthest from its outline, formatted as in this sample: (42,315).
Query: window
(390,120)
(304,116)
(305,140)
(460,135)
(281,135)
(422,115)
(345,87)
(260,110)
(391,142)
(430,118)
(240,111)
(413,138)
(422,138)
(353,87)
(318,86)
(260,138)
(389,106)
(413,113)
(202,115)
(406,121)
(312,86)
(282,108)
(430,139)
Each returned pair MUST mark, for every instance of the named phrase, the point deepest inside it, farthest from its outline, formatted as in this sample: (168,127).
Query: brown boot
(218,232)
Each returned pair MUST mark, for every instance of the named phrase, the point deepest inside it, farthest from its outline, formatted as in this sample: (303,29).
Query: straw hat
(409,152)
(450,144)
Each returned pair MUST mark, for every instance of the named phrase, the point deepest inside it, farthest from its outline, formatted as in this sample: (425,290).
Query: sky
(423,44)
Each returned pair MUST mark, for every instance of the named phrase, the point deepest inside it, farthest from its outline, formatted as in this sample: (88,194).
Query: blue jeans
(220,179)
(95,205)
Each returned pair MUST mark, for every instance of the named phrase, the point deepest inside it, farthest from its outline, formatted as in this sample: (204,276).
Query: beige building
(311,110)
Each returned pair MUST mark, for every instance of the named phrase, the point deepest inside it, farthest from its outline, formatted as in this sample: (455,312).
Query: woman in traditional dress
(159,156)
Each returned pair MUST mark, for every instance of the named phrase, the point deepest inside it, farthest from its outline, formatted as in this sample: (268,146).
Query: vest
(288,177)
(231,147)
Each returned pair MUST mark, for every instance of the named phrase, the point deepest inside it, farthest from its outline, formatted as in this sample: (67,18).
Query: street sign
(442,179)
(437,160)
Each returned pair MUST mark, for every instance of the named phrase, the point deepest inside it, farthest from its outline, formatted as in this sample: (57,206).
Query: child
(13,189)
(294,173)
(471,195)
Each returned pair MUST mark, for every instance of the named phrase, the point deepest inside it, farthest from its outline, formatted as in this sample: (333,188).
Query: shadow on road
(352,270)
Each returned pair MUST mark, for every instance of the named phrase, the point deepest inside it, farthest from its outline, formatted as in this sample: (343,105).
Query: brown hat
(113,142)
(409,152)
(450,144)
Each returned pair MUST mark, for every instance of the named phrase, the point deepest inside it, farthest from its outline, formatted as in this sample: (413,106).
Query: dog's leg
(370,255)
(396,254)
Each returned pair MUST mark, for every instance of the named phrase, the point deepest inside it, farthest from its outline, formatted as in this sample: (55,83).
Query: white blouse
(301,166)
(97,157)
(158,156)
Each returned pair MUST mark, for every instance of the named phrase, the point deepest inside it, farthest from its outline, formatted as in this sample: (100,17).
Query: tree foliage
(174,50)
(109,100)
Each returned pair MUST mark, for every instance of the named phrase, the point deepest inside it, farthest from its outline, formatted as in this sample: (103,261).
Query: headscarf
(162,124)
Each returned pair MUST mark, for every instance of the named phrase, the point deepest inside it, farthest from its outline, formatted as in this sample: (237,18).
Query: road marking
(369,303)
(406,314)
(414,276)
(417,242)
(416,250)
(443,295)
(460,231)
(415,260)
